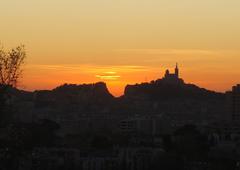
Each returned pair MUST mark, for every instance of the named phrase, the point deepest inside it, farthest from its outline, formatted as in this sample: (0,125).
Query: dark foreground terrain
(168,125)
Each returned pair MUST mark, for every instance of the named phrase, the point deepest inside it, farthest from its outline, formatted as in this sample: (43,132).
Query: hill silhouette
(156,97)
(173,97)
(72,97)
(163,90)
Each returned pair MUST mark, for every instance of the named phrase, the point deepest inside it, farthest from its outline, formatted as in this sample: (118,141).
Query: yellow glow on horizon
(117,77)
(108,77)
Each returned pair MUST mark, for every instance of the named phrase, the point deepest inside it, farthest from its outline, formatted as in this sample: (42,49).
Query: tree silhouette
(10,71)
(10,65)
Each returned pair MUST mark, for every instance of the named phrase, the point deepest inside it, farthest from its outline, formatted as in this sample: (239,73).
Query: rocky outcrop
(72,97)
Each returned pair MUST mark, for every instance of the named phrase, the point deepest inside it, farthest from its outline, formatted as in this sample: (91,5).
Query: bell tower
(177,71)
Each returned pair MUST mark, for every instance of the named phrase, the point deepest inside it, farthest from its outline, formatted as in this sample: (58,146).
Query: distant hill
(172,97)
(71,97)
(162,89)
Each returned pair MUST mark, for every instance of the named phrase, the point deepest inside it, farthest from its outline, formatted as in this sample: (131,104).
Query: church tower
(177,71)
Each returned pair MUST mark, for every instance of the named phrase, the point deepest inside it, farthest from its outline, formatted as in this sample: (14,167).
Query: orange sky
(124,42)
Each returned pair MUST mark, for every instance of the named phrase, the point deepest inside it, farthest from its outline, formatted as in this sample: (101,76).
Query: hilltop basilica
(172,77)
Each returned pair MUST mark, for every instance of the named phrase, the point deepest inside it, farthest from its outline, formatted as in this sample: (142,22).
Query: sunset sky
(124,41)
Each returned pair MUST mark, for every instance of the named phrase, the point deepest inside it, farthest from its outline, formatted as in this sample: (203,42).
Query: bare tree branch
(10,65)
